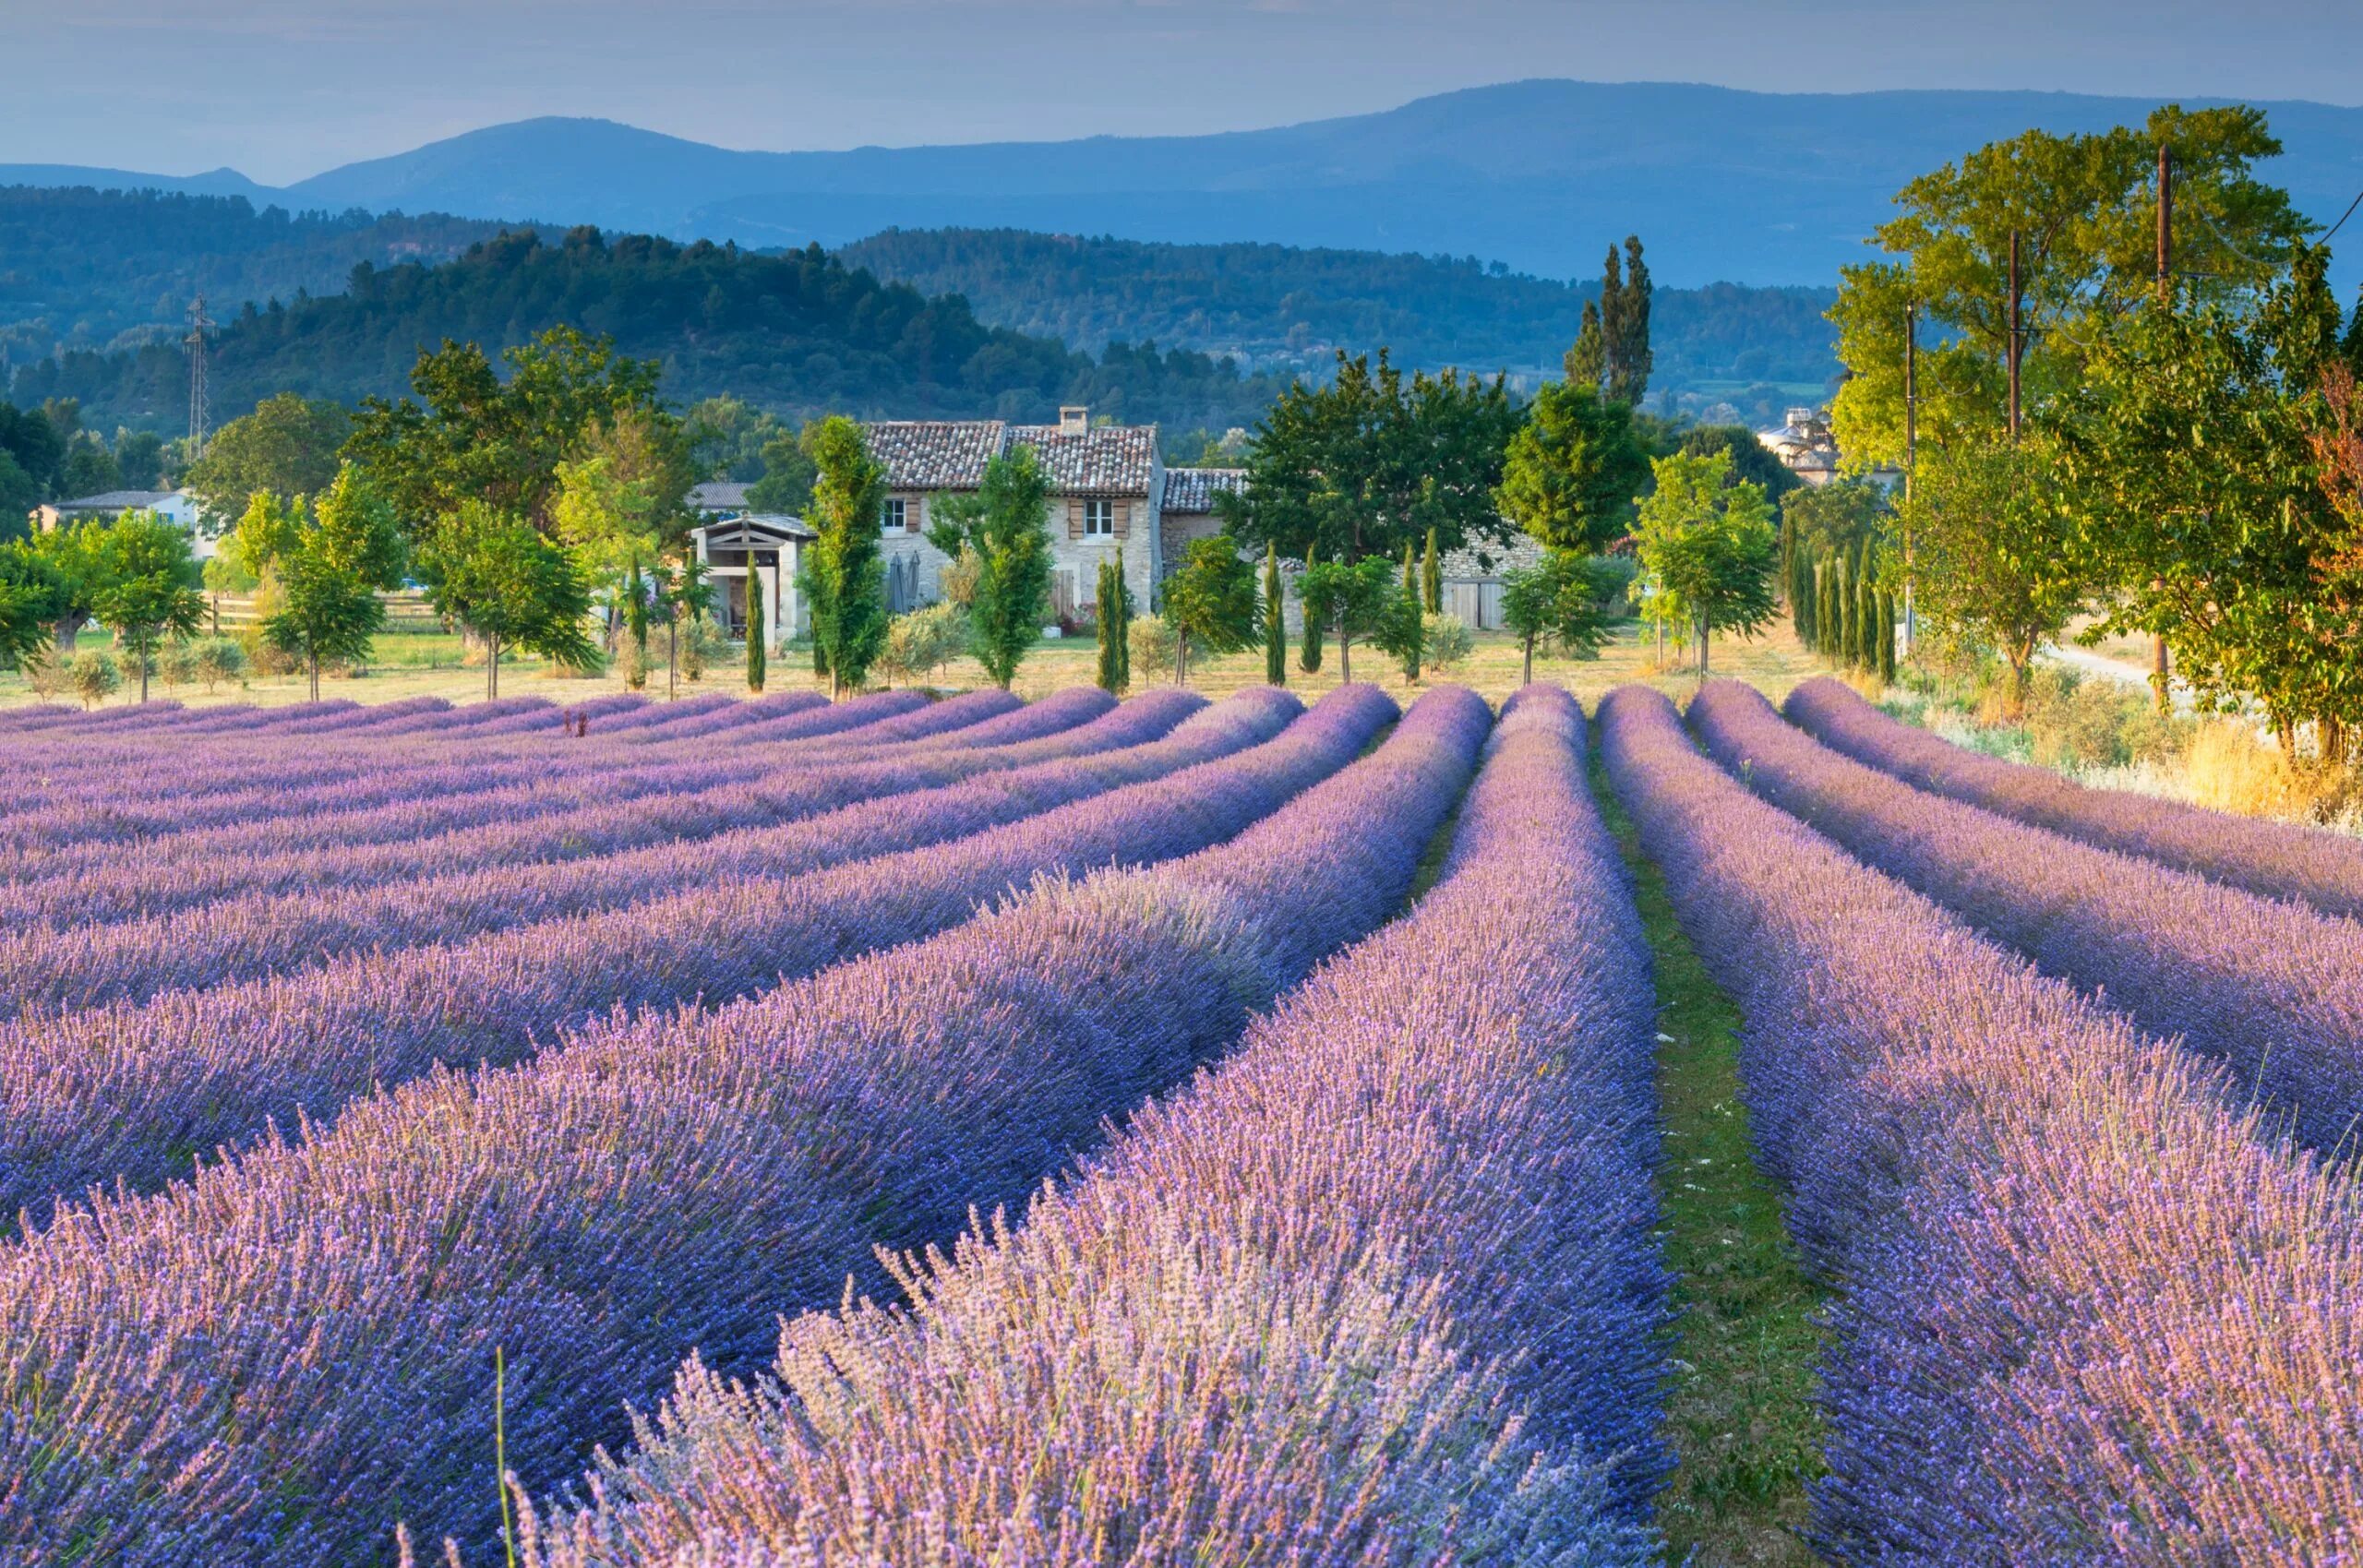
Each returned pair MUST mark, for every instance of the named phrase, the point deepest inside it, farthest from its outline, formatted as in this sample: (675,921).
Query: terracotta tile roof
(935,454)
(1194,489)
(1114,459)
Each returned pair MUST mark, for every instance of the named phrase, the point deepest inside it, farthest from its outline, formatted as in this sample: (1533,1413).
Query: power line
(2344,217)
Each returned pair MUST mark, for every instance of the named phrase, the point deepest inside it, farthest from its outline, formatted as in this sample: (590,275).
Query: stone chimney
(1074,420)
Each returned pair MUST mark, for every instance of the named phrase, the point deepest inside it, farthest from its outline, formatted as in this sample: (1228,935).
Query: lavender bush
(2271,988)
(134,1093)
(52,971)
(1389,1273)
(2271,859)
(2089,1314)
(287,1357)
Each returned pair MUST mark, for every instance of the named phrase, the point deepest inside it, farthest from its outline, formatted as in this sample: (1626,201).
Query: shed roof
(1193,490)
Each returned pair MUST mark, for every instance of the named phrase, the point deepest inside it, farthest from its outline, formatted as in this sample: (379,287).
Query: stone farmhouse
(1112,497)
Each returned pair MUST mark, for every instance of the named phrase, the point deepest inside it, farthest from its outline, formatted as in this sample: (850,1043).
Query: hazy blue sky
(282,88)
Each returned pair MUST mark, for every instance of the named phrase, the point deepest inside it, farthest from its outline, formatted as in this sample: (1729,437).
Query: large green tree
(1710,543)
(1372,460)
(1994,540)
(2191,446)
(843,577)
(147,586)
(1573,469)
(472,436)
(286,448)
(1625,324)
(498,575)
(2083,207)
(1005,527)
(331,558)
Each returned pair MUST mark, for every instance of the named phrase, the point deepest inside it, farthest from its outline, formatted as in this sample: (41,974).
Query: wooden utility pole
(2015,337)
(2161,662)
(1911,452)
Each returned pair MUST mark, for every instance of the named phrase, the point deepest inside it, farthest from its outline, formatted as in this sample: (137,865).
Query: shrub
(178,662)
(701,644)
(220,659)
(1447,638)
(1153,645)
(94,676)
(922,641)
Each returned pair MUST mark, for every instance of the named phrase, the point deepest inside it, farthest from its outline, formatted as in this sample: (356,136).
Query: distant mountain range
(1541,176)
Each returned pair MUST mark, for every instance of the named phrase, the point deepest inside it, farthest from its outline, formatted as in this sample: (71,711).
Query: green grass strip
(1746,1430)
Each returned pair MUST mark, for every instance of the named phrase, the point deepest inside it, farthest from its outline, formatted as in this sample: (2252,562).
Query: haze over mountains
(1723,185)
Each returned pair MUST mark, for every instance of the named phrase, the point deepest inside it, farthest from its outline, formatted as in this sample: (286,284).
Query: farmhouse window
(895,516)
(1098,519)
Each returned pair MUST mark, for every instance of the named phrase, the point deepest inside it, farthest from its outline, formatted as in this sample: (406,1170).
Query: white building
(176,506)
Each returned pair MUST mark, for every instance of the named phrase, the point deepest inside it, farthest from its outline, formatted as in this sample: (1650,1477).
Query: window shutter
(1074,519)
(1124,518)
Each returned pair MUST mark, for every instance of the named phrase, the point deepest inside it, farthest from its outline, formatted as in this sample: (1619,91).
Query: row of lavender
(387,897)
(2272,859)
(281,1360)
(433,836)
(133,1091)
(2273,987)
(160,790)
(2091,1314)
(1381,1289)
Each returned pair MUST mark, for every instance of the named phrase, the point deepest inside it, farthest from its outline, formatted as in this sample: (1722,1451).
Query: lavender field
(915,1130)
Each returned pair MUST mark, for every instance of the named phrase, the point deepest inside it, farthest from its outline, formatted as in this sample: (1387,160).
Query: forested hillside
(83,269)
(798,333)
(1271,305)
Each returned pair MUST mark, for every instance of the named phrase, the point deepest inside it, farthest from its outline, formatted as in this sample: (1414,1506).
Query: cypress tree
(1276,630)
(1850,616)
(1308,658)
(1124,625)
(754,632)
(1867,592)
(1431,578)
(1410,611)
(1111,631)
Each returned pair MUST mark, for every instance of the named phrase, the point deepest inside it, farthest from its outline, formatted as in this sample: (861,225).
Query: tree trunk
(1181,660)
(672,656)
(492,668)
(1702,647)
(140,653)
(316,675)
(1345,656)
(1527,678)
(67,630)
(2020,659)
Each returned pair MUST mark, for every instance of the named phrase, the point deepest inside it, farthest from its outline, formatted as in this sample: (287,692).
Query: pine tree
(1276,630)
(1308,658)
(754,632)
(1431,578)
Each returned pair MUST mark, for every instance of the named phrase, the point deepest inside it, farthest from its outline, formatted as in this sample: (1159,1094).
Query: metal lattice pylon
(198,324)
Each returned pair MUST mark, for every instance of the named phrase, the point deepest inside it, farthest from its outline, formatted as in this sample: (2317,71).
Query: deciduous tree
(1003,526)
(1710,543)
(1572,470)
(147,587)
(1210,600)
(843,580)
(331,559)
